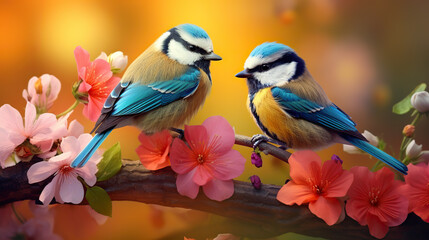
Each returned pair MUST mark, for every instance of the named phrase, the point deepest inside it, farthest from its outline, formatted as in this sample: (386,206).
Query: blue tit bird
(162,89)
(293,110)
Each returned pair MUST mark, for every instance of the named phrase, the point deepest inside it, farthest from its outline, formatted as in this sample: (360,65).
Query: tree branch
(250,212)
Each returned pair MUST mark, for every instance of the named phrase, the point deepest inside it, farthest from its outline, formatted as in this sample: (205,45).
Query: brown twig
(249,212)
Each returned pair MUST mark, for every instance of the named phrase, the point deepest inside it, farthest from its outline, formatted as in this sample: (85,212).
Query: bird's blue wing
(330,116)
(133,98)
(138,98)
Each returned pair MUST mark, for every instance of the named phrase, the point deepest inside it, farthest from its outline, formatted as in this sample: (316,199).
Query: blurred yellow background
(367,55)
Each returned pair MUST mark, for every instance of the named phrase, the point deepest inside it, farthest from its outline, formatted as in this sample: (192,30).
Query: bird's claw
(179,131)
(259,138)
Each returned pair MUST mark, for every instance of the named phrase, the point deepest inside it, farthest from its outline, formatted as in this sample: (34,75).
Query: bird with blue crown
(291,108)
(162,89)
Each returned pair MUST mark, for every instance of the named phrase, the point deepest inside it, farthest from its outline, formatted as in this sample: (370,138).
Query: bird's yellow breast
(296,133)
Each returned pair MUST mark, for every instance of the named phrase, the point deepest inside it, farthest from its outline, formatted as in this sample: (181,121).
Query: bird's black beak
(212,57)
(243,74)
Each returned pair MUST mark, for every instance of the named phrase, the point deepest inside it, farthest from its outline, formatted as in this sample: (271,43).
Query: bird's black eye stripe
(287,58)
(194,48)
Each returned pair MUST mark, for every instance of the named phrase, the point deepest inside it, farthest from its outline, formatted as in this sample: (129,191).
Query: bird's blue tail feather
(386,158)
(90,149)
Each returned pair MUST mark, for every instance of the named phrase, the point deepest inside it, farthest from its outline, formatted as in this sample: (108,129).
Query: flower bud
(256,181)
(408,130)
(42,91)
(420,101)
(373,140)
(256,159)
(413,150)
(118,61)
(337,159)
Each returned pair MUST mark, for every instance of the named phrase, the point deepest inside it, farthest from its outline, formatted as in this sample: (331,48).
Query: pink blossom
(416,189)
(65,186)
(208,161)
(41,226)
(42,92)
(14,133)
(154,149)
(97,82)
(376,200)
(320,186)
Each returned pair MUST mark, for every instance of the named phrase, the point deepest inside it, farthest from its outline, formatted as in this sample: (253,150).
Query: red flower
(318,185)
(376,200)
(97,82)
(417,189)
(208,161)
(154,149)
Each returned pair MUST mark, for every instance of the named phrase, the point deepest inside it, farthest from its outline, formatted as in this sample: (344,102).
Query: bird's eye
(191,47)
(265,67)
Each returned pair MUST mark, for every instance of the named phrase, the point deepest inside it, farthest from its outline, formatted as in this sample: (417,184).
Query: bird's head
(188,44)
(271,64)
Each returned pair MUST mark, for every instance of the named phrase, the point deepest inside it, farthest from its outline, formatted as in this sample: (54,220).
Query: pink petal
(377,228)
(70,145)
(31,89)
(30,118)
(154,150)
(328,209)
(218,127)
(181,157)
(185,185)
(82,58)
(88,171)
(84,140)
(41,171)
(11,120)
(92,110)
(219,190)
(65,156)
(49,191)
(304,165)
(43,124)
(71,190)
(52,85)
(418,175)
(423,212)
(227,166)
(292,193)
(75,129)
(84,87)
(102,72)
(43,142)
(339,179)
(59,129)
(6,147)
(197,138)
(358,210)
(201,175)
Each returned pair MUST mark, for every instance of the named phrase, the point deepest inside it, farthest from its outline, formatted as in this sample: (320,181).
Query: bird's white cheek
(179,53)
(281,73)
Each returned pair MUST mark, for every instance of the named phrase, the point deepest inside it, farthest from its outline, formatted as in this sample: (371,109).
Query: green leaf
(99,200)
(404,105)
(110,164)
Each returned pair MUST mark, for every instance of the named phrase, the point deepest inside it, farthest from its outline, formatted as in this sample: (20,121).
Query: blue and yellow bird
(162,89)
(292,108)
